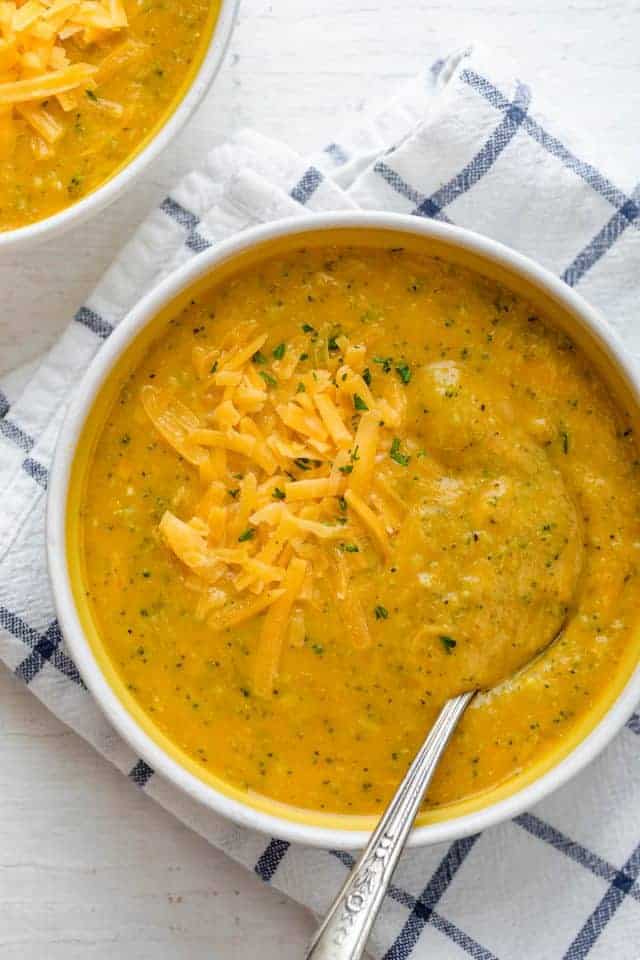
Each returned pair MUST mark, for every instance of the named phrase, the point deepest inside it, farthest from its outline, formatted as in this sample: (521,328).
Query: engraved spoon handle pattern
(345,930)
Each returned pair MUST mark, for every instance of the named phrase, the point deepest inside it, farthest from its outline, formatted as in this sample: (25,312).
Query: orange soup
(82,88)
(340,486)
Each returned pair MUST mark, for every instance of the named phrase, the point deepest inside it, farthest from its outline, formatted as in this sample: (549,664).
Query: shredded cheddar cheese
(289,461)
(35,66)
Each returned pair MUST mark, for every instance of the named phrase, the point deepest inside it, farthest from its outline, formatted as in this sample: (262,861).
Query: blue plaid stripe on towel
(466,143)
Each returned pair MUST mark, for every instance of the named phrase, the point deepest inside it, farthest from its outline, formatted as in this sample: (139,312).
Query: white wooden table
(89,868)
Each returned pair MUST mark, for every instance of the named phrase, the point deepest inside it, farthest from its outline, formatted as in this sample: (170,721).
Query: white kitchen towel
(467,143)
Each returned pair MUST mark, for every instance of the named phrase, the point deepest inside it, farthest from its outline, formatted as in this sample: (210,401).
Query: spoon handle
(345,930)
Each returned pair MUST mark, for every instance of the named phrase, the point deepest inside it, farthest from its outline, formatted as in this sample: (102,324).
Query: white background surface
(89,868)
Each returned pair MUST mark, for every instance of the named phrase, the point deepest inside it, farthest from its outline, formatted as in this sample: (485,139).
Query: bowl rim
(115,186)
(148,307)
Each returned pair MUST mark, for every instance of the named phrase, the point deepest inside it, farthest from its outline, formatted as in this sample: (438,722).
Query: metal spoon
(345,930)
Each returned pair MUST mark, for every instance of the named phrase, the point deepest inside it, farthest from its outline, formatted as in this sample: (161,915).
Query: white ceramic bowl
(584,323)
(96,201)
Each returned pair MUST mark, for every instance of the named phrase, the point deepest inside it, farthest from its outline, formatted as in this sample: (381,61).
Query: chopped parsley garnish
(91,95)
(359,403)
(303,463)
(301,388)
(307,328)
(278,351)
(247,535)
(234,493)
(404,372)
(303,357)
(348,468)
(395,453)
(564,436)
(214,366)
(381,612)
(332,344)
(384,362)
(342,503)
(268,379)
(355,454)
(448,643)
(350,547)
(317,648)
(259,357)
(278,494)
(366,376)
